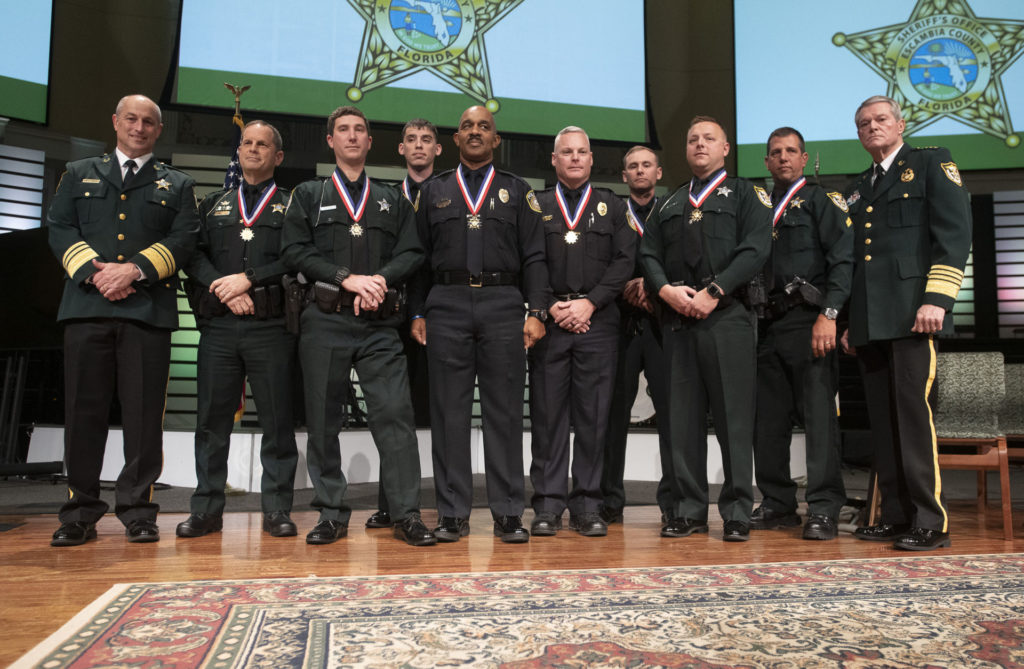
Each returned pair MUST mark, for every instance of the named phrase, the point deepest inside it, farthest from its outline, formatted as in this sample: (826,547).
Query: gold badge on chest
(908,175)
(602,209)
(503,196)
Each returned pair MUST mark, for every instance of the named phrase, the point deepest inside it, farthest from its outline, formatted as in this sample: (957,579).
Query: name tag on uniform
(90,181)
(329,207)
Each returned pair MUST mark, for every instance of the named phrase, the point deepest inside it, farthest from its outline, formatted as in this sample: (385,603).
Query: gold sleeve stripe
(946,270)
(79,254)
(947,288)
(161,258)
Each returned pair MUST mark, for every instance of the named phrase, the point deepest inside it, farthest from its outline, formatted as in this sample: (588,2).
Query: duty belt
(464,278)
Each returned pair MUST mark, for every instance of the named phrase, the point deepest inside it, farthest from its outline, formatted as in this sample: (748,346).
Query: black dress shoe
(379,519)
(820,527)
(880,532)
(683,527)
(611,515)
(74,533)
(198,525)
(920,539)
(142,531)
(279,524)
(327,532)
(511,530)
(765,518)
(545,524)
(412,531)
(588,525)
(735,530)
(450,528)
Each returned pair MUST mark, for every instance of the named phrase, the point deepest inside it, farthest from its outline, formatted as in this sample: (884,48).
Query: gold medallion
(571,237)
(602,209)
(775,234)
(247,234)
(356,230)
(696,215)
(503,196)
(474,221)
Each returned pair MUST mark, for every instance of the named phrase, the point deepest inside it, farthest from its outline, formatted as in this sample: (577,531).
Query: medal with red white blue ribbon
(354,211)
(248,219)
(571,221)
(638,225)
(698,200)
(784,202)
(473,218)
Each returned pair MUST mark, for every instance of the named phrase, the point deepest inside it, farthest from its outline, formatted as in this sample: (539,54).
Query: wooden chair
(971,387)
(1011,416)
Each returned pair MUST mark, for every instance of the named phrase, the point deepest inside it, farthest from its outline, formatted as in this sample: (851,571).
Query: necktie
(879,173)
(129,172)
(474,237)
(573,252)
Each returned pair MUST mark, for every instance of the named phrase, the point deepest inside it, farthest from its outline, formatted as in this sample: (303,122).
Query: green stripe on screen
(22,99)
(971,152)
(318,98)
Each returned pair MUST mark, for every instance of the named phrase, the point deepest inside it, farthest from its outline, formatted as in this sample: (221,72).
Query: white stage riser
(359,457)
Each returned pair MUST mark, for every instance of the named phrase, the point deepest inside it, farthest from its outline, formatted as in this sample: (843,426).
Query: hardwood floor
(42,587)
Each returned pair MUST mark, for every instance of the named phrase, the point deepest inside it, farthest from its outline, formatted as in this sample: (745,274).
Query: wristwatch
(539,314)
(715,291)
(830,313)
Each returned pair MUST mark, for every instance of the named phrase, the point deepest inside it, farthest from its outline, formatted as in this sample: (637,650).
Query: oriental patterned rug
(893,612)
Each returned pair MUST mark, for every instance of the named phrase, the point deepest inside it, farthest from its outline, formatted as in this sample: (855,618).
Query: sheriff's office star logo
(945,62)
(403,37)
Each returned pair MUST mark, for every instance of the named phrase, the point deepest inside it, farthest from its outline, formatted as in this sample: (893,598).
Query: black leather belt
(464,278)
(565,297)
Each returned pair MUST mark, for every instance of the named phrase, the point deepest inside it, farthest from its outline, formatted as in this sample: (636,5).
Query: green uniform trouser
(792,383)
(231,349)
(330,346)
(711,365)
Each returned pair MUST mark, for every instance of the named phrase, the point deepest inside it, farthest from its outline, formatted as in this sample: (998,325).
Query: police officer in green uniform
(806,282)
(236,296)
(590,252)
(420,147)
(121,226)
(356,239)
(704,243)
(482,232)
(912,235)
(639,351)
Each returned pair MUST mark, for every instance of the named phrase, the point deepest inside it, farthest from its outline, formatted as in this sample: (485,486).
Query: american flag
(233,177)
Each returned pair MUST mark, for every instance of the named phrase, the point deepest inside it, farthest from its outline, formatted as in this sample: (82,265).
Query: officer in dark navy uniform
(236,296)
(356,239)
(639,351)
(485,257)
(121,225)
(912,235)
(805,283)
(420,147)
(590,252)
(703,245)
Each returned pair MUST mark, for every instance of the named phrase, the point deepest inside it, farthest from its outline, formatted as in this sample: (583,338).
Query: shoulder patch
(837,200)
(763,196)
(952,173)
(531,200)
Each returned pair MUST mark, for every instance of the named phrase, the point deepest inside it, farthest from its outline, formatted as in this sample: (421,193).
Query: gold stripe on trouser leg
(937,483)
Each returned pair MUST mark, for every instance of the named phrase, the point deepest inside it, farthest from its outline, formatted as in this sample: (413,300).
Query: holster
(295,300)
(327,296)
